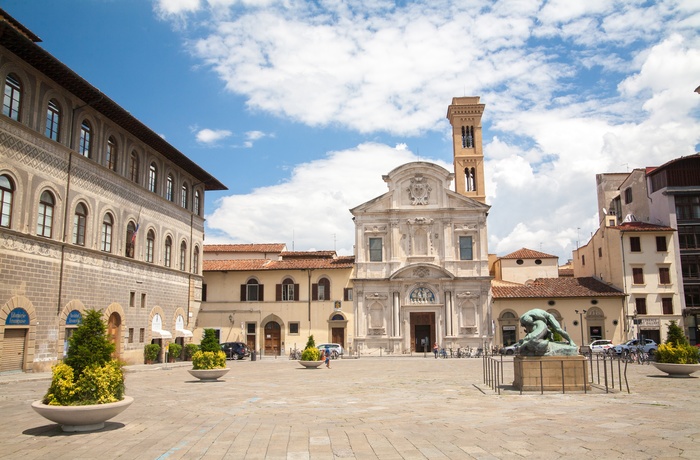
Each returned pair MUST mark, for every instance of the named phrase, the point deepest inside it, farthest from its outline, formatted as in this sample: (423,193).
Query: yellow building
(273,299)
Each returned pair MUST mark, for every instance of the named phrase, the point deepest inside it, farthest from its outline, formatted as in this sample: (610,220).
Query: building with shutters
(98,212)
(273,299)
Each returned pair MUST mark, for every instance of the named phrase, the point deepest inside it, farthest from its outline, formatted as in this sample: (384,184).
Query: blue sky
(300,107)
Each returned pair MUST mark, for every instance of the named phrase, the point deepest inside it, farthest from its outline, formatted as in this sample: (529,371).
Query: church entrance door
(422,331)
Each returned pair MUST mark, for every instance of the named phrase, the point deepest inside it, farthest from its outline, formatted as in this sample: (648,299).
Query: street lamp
(580,317)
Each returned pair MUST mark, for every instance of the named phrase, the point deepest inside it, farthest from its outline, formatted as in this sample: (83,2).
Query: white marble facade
(421,265)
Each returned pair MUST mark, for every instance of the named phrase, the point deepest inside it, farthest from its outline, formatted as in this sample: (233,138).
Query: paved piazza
(368,408)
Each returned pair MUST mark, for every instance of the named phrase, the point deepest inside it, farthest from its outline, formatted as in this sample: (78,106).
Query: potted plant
(190,350)
(209,363)
(174,351)
(310,357)
(87,388)
(151,352)
(676,356)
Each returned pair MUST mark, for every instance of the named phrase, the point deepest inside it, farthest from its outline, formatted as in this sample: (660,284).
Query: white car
(335,348)
(600,346)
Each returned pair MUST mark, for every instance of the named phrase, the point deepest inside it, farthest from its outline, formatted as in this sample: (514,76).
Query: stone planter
(82,418)
(208,374)
(677,370)
(311,364)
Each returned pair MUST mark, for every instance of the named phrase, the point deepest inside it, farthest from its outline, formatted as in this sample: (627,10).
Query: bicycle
(295,354)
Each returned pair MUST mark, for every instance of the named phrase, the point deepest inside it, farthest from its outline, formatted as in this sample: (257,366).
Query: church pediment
(421,271)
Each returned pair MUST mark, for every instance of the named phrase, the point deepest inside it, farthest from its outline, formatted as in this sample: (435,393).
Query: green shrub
(311,343)
(675,335)
(96,385)
(209,360)
(209,341)
(151,352)
(89,344)
(679,354)
(174,350)
(190,350)
(311,354)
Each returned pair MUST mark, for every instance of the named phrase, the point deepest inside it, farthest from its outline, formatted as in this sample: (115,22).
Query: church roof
(526,253)
(556,287)
(341,262)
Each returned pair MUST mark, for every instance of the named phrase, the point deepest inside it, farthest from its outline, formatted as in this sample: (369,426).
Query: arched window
(150,244)
(183,256)
(167,253)
(195,261)
(196,204)
(111,154)
(322,290)
(107,224)
(7,190)
(252,291)
(131,230)
(169,186)
(288,290)
(44,222)
(134,166)
(85,137)
(53,119)
(183,196)
(152,177)
(79,224)
(11,105)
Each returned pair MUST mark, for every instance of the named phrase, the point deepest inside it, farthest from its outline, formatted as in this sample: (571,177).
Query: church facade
(421,253)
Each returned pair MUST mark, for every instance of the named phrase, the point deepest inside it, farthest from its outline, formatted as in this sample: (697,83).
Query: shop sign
(508,328)
(17,317)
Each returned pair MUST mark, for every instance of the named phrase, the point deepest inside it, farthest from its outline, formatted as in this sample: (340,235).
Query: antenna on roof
(292,240)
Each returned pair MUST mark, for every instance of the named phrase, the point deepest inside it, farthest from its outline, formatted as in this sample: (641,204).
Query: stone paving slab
(367,408)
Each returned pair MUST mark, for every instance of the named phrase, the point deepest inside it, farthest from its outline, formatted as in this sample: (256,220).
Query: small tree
(209,341)
(675,335)
(89,344)
(310,353)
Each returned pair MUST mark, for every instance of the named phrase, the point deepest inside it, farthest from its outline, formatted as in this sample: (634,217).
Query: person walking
(436,349)
(327,355)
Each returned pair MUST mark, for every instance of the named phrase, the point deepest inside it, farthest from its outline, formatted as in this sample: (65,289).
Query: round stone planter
(82,418)
(677,370)
(311,364)
(208,374)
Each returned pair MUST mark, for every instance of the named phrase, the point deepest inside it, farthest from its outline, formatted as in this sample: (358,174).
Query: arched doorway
(114,332)
(273,334)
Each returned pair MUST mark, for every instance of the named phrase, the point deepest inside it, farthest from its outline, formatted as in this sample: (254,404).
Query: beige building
(273,299)
(525,265)
(421,255)
(98,212)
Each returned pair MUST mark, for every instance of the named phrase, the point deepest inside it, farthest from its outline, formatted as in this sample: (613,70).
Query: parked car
(335,348)
(235,350)
(600,346)
(510,349)
(649,346)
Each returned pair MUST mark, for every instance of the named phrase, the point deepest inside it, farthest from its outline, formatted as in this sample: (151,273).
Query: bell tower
(465,117)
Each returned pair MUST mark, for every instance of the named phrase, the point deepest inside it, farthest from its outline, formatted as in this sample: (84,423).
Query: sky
(300,107)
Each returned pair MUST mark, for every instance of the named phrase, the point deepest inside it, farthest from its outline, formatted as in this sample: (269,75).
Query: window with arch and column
(111,154)
(44,221)
(167,253)
(53,120)
(195,260)
(153,178)
(184,196)
(12,101)
(150,246)
(107,228)
(84,144)
(134,167)
(79,224)
(7,190)
(131,229)
(288,291)
(197,203)
(169,188)
(183,256)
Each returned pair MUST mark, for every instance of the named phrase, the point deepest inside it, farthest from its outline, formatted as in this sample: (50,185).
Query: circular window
(551,302)
(538,262)
(519,261)
(575,322)
(594,302)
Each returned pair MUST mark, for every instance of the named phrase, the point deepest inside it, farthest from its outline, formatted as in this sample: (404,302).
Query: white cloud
(212,136)
(311,209)
(572,89)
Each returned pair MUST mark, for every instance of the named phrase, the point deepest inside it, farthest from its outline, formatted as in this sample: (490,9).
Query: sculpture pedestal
(551,373)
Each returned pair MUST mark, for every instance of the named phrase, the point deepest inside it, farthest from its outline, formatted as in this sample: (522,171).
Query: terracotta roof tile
(556,287)
(294,264)
(642,227)
(271,247)
(526,253)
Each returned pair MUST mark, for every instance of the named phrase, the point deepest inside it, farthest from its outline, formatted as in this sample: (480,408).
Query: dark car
(235,350)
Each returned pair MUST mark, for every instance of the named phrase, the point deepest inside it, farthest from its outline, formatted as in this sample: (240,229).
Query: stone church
(421,254)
